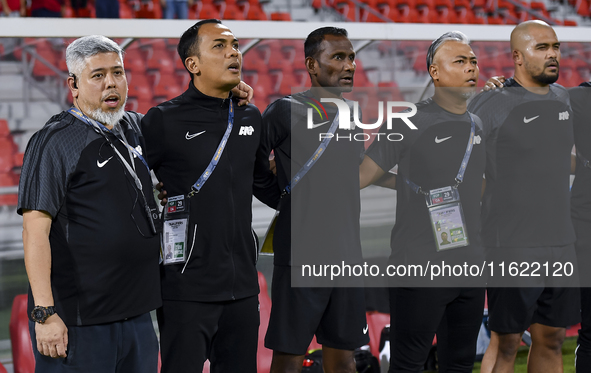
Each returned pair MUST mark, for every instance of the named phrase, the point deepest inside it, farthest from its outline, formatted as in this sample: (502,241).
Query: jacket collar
(214,103)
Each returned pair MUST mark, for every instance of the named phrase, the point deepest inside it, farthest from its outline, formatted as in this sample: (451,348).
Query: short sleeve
(49,161)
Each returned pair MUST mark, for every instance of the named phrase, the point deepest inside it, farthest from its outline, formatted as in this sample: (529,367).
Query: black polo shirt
(527,199)
(319,220)
(430,157)
(104,256)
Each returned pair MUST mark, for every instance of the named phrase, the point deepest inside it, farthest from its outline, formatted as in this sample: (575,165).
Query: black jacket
(181,136)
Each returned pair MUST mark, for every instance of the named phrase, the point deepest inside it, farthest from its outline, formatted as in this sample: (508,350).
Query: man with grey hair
(447,138)
(90,242)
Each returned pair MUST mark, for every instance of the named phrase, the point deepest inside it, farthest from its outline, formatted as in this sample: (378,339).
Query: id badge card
(447,218)
(175,231)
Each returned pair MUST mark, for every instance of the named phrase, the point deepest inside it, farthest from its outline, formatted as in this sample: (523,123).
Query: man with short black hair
(335,315)
(202,146)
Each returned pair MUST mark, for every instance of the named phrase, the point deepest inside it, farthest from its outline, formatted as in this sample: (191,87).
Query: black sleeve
(276,124)
(49,161)
(385,153)
(265,187)
(153,131)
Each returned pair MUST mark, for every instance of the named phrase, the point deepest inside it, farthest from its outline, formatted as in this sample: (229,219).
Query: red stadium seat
(256,13)
(376,321)
(264,355)
(208,10)
(232,11)
(22,351)
(45,51)
(139,87)
(166,87)
(134,60)
(7,151)
(280,16)
(2,368)
(4,130)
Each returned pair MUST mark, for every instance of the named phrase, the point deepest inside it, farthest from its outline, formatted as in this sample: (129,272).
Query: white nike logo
(365,329)
(437,141)
(189,137)
(312,125)
(526,120)
(101,164)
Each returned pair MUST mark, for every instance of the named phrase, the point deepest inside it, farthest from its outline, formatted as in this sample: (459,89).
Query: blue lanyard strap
(217,155)
(314,158)
(102,127)
(460,177)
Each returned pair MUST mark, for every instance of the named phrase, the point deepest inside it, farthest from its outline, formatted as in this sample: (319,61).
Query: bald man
(526,212)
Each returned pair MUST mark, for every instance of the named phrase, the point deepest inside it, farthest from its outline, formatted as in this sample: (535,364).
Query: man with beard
(91,247)
(526,213)
(203,147)
(319,217)
(448,138)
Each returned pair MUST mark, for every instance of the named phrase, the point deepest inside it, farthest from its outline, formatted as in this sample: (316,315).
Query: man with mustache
(445,154)
(203,147)
(526,213)
(319,217)
(89,234)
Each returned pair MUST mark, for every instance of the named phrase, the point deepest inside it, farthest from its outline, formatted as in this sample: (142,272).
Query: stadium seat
(280,16)
(232,11)
(22,350)
(7,151)
(45,51)
(165,87)
(264,355)
(256,13)
(2,369)
(139,87)
(134,60)
(4,130)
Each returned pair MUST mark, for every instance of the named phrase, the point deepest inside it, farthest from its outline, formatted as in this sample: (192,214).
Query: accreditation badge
(447,218)
(175,232)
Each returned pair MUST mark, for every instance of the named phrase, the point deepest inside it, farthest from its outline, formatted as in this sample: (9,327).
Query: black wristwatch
(40,314)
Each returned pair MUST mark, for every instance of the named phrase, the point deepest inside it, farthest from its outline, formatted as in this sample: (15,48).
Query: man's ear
(311,65)
(72,83)
(192,64)
(517,57)
(434,72)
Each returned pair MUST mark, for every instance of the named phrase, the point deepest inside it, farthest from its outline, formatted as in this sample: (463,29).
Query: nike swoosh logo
(437,141)
(365,329)
(101,164)
(317,125)
(526,120)
(189,137)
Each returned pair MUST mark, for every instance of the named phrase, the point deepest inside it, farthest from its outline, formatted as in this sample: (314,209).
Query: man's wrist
(40,314)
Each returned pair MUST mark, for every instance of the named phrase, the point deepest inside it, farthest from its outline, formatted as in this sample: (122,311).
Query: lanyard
(100,128)
(314,158)
(460,177)
(217,155)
